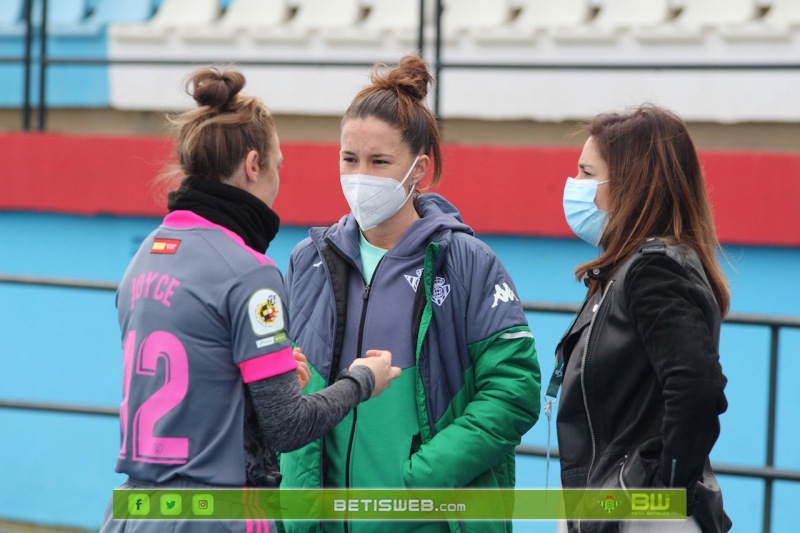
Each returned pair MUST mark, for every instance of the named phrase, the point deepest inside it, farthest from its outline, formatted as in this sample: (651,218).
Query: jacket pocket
(640,467)
(416,442)
(705,503)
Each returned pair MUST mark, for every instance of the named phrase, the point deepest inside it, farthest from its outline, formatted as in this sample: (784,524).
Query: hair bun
(213,88)
(410,77)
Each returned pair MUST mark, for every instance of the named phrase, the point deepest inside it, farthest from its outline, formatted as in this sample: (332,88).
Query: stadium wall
(499,190)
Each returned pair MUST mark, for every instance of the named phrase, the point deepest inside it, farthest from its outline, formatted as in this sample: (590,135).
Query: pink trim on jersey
(257,526)
(188,219)
(268,365)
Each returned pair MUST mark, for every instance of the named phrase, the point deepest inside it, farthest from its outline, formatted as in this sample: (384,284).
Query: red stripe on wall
(501,190)
(81,174)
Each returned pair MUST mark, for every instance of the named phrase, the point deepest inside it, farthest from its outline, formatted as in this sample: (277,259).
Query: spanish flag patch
(165,246)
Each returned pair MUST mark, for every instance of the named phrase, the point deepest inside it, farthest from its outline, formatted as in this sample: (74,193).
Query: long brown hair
(656,189)
(397,97)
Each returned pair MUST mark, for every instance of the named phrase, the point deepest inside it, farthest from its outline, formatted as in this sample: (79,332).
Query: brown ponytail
(397,97)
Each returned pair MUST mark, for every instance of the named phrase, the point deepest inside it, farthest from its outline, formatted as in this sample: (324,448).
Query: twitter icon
(171,504)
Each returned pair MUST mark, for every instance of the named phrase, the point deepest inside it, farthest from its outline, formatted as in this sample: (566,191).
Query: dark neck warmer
(230,207)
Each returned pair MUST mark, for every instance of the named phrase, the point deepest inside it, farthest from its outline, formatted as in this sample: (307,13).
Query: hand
(380,362)
(303,372)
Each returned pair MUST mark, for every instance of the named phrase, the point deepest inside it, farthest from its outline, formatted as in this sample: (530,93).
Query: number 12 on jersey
(142,444)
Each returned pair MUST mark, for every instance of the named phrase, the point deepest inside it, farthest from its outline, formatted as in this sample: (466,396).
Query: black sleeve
(290,420)
(674,317)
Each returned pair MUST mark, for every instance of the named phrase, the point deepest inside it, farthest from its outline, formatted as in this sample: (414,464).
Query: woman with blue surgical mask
(639,372)
(586,196)
(402,272)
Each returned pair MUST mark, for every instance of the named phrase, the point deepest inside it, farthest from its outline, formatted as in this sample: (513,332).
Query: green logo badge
(203,504)
(138,504)
(651,502)
(609,504)
(171,504)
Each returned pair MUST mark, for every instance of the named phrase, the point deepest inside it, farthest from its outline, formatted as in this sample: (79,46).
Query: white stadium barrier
(549,33)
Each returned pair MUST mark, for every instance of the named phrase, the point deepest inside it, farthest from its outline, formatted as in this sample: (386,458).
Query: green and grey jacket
(443,304)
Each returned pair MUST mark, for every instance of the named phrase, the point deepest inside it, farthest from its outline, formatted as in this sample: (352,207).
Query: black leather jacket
(642,387)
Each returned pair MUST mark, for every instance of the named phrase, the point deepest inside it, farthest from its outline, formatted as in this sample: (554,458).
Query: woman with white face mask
(641,383)
(403,273)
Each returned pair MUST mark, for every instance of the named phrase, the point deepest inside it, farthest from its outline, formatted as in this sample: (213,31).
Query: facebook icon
(138,504)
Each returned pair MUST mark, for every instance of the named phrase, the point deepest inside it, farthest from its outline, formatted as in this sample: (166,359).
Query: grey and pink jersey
(201,314)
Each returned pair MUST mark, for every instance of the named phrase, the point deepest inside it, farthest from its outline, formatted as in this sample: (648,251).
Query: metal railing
(768,473)
(438,66)
(28,60)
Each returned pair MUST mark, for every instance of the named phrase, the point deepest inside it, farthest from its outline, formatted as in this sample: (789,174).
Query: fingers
(299,356)
(394,371)
(303,372)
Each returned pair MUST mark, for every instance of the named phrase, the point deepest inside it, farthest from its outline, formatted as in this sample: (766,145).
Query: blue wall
(62,345)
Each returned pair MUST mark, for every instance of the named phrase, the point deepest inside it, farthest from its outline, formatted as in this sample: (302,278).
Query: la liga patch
(265,310)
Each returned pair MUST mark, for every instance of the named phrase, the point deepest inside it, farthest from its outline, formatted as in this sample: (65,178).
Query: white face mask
(373,199)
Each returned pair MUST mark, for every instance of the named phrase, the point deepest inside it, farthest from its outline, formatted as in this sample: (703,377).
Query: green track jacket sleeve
(472,442)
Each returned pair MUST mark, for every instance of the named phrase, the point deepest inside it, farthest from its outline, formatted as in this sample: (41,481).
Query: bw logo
(649,501)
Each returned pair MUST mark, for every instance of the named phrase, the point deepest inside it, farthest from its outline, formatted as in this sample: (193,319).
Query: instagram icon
(203,504)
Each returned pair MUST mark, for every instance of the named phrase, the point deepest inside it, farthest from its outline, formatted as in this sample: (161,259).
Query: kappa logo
(414,280)
(440,287)
(503,294)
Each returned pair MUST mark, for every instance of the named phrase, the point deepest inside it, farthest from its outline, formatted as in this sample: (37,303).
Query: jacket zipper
(621,469)
(365,297)
(595,312)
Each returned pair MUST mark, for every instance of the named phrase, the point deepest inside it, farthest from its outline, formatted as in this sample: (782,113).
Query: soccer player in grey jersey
(210,380)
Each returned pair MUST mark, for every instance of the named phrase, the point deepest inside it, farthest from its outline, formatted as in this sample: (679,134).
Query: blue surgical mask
(583,216)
